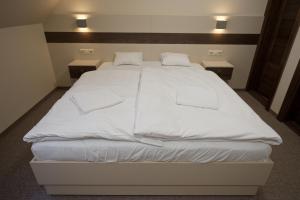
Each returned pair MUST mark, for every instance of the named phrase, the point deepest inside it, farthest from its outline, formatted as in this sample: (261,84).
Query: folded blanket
(94,100)
(197,97)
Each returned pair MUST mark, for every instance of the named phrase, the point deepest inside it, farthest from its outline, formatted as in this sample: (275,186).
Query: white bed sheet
(120,151)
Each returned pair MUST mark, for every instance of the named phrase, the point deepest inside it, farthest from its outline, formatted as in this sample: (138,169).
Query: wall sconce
(221,24)
(81,23)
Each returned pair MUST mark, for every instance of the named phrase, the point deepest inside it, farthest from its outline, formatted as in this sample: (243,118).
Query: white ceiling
(23,12)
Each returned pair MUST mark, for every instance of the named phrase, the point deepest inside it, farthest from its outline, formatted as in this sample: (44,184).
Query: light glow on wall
(221,18)
(219,31)
(81,16)
(83,30)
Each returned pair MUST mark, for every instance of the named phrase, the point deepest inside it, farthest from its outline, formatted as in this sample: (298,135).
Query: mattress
(94,150)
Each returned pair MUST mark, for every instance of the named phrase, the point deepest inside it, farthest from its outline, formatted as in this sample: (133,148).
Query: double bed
(147,144)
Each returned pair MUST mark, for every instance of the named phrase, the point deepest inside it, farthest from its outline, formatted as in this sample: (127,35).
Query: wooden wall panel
(151,38)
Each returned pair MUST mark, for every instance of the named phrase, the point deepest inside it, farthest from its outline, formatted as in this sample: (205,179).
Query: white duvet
(160,117)
(66,122)
(149,112)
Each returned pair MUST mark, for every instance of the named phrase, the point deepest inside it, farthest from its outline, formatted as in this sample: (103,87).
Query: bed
(147,145)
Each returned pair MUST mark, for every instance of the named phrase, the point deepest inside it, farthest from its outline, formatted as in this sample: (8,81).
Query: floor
(17,180)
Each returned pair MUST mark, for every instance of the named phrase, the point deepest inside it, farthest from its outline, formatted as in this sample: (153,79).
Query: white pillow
(175,59)
(128,58)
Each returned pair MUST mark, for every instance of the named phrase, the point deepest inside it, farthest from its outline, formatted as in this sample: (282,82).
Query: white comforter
(66,122)
(149,113)
(159,117)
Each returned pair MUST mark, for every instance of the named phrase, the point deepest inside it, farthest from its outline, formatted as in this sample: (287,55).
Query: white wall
(163,7)
(240,55)
(20,12)
(287,75)
(26,71)
(155,24)
(160,16)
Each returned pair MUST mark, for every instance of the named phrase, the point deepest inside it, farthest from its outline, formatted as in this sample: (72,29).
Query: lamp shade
(81,23)
(221,24)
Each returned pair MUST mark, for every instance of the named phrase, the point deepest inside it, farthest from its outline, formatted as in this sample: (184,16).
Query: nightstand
(223,69)
(78,67)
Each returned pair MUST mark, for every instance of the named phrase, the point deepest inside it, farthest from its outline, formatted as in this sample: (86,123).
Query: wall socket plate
(215,52)
(86,51)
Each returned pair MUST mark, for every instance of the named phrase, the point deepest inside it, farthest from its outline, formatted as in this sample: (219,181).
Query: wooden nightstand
(78,67)
(223,69)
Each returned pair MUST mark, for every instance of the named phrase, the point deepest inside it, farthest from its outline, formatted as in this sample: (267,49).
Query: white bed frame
(151,178)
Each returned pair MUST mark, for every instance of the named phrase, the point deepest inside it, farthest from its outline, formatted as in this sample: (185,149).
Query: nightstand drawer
(77,71)
(223,72)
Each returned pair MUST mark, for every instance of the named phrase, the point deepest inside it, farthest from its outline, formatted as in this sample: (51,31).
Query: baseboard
(63,87)
(273,113)
(239,89)
(259,97)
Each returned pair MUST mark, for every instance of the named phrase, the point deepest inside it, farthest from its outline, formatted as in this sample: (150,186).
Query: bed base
(151,178)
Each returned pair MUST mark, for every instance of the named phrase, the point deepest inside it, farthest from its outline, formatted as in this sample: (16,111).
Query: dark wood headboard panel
(151,38)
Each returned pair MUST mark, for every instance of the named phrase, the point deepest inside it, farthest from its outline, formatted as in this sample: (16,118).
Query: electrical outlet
(211,53)
(215,52)
(86,51)
(219,52)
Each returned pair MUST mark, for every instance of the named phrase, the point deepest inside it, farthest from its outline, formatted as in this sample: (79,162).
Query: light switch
(215,52)
(86,51)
